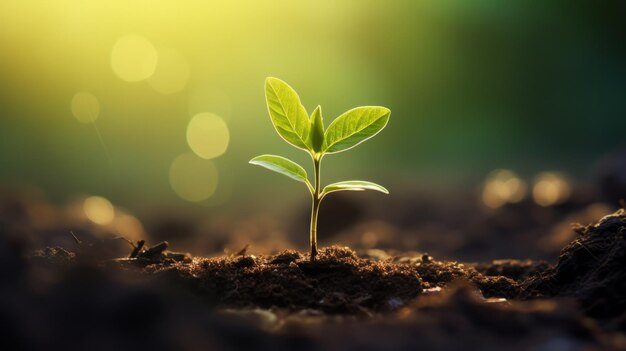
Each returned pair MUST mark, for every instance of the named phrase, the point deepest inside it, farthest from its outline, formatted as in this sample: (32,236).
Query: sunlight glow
(133,58)
(551,188)
(193,178)
(208,135)
(172,72)
(502,187)
(99,210)
(85,107)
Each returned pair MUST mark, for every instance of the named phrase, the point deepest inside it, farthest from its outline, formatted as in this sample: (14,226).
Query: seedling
(293,124)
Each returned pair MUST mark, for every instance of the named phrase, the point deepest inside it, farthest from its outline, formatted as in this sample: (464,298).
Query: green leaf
(354,127)
(353,185)
(289,117)
(317,129)
(282,165)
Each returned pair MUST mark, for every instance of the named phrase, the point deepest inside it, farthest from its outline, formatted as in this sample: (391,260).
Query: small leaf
(353,185)
(354,127)
(281,165)
(289,117)
(317,129)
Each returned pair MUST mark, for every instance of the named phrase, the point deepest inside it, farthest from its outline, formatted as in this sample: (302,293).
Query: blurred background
(138,118)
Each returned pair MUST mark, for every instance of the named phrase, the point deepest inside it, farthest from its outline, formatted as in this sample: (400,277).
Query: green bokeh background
(472,85)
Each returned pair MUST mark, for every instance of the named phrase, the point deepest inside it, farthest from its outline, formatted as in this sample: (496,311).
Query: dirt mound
(591,269)
(336,282)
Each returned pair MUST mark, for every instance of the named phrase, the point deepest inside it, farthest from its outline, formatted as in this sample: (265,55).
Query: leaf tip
(255,160)
(269,82)
(384,110)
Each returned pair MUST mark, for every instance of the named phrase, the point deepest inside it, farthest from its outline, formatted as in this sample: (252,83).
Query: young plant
(293,124)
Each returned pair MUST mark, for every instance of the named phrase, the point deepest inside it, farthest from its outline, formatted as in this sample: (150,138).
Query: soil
(592,270)
(336,282)
(96,293)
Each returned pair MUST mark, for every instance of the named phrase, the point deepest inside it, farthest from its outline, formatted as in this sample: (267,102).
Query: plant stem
(316,206)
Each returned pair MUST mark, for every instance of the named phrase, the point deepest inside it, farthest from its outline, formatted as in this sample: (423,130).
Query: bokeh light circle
(192,178)
(85,107)
(501,187)
(172,72)
(133,58)
(208,135)
(550,188)
(99,210)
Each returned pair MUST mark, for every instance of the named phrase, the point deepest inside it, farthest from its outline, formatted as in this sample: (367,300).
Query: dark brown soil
(591,269)
(459,319)
(512,269)
(338,281)
(285,301)
(79,294)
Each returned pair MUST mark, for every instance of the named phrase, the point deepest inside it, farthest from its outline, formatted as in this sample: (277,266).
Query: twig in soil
(243,251)
(156,249)
(137,249)
(78,242)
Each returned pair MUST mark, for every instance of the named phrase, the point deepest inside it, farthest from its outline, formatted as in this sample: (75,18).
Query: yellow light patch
(99,210)
(550,188)
(208,135)
(133,58)
(502,187)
